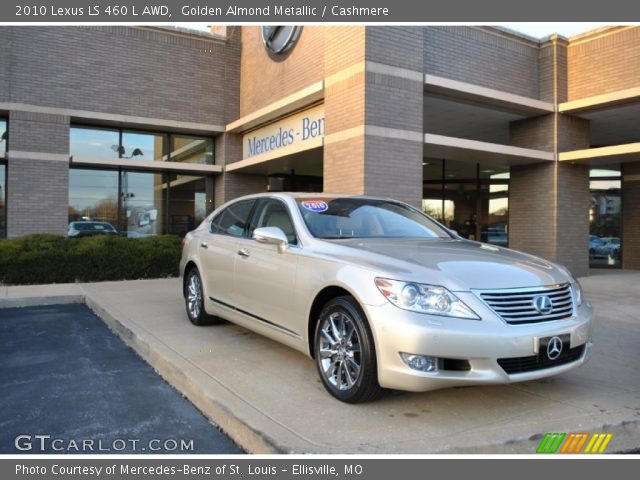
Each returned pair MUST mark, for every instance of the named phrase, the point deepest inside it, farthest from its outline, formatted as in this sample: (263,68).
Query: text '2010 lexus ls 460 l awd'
(381,295)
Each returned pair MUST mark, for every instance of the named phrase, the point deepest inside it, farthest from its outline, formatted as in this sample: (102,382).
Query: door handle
(204,245)
(243,252)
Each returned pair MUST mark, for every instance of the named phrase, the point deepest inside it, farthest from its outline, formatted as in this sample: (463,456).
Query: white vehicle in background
(611,247)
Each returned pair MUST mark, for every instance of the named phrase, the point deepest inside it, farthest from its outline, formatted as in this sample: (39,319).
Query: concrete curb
(187,379)
(41,301)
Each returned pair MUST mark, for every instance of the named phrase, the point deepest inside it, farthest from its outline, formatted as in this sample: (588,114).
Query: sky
(540,30)
(537,30)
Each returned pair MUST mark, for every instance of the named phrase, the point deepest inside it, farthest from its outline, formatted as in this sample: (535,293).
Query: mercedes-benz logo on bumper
(554,348)
(542,304)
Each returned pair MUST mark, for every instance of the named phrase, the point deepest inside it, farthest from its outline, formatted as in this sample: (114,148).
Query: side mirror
(271,235)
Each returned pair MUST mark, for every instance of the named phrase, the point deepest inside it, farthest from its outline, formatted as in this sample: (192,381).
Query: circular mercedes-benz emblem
(554,348)
(542,304)
(280,38)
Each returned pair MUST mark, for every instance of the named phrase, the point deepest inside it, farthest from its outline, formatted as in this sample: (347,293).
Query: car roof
(90,221)
(311,195)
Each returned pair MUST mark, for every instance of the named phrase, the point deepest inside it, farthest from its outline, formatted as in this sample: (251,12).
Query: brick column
(549,202)
(394,111)
(532,210)
(373,109)
(630,217)
(37,174)
(344,110)
(228,149)
(228,146)
(548,213)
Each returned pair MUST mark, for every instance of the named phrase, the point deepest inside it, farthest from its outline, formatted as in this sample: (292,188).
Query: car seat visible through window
(279,218)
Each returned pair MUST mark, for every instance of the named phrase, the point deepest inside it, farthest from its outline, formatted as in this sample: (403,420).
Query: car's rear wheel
(194,300)
(345,352)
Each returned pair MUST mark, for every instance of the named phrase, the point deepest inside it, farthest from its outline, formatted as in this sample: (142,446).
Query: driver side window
(273,213)
(233,219)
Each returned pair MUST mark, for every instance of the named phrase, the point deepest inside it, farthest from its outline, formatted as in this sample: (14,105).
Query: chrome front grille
(523,305)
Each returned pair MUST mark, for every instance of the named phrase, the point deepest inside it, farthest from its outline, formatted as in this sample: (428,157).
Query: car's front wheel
(345,352)
(194,300)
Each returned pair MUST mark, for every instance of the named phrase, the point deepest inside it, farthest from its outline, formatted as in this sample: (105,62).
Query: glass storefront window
(433,208)
(188,149)
(3,191)
(144,146)
(190,201)
(464,218)
(94,142)
(143,203)
(433,202)
(469,198)
(495,209)
(139,204)
(4,137)
(605,246)
(93,195)
(139,145)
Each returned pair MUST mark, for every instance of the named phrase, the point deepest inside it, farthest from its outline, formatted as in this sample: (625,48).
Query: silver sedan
(381,295)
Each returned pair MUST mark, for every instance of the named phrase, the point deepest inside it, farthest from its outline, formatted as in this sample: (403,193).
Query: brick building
(507,139)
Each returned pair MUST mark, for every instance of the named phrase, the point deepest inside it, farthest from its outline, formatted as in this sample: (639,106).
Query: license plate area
(554,348)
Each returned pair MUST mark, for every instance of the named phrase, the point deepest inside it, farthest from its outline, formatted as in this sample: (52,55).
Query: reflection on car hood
(456,264)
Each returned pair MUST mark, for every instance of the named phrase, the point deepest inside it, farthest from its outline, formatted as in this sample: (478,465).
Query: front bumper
(480,342)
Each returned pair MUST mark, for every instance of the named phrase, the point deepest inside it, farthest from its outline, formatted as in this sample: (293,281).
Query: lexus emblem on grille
(542,304)
(554,348)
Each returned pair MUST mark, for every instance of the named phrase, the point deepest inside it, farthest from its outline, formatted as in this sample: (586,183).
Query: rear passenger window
(233,219)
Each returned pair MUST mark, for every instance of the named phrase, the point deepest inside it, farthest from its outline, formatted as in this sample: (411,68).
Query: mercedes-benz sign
(280,38)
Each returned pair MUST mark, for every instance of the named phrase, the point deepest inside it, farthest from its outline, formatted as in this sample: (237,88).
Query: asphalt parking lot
(65,375)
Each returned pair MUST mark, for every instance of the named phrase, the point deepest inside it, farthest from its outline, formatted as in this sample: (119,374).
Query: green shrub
(44,258)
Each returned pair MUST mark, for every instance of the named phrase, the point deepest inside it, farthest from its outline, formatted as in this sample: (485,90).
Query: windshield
(349,217)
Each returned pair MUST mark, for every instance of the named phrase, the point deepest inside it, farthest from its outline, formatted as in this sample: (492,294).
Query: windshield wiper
(340,237)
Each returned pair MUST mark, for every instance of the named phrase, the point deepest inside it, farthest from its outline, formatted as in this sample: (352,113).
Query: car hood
(459,265)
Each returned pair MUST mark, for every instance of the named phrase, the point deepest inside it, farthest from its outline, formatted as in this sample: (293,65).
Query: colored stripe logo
(574,443)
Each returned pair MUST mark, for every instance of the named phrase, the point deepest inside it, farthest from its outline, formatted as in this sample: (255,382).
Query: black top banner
(332,11)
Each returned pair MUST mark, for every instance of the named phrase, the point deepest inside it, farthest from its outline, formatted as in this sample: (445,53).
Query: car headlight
(575,284)
(421,298)
(577,291)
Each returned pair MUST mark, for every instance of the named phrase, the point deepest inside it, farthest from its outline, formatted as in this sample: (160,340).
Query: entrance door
(605,247)
(468,198)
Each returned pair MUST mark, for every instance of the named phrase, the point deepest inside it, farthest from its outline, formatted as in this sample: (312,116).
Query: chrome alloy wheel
(340,353)
(194,296)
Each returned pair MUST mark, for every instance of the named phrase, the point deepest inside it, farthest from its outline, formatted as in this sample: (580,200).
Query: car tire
(194,300)
(345,352)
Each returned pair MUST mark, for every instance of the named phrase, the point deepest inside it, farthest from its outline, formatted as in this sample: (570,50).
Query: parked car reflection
(90,228)
(604,251)
(595,245)
(612,244)
(496,234)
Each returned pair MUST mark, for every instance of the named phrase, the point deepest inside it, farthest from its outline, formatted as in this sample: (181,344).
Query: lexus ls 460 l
(382,296)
